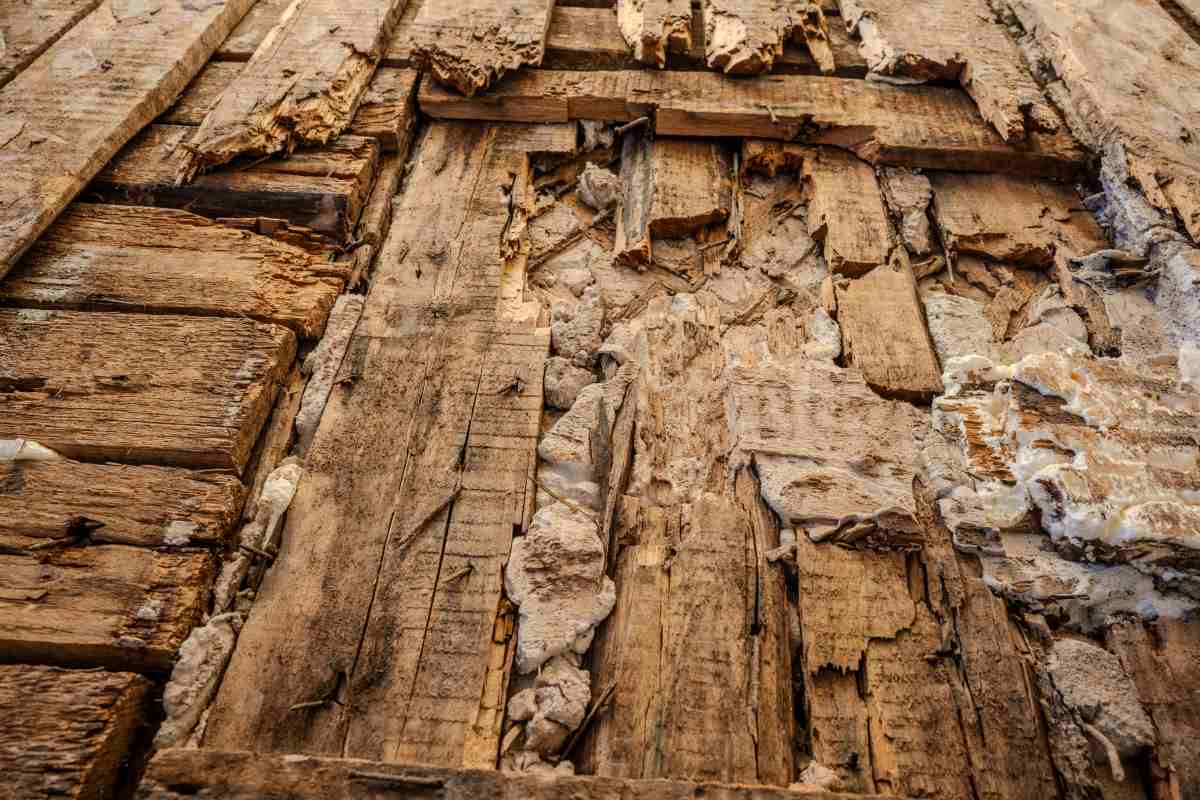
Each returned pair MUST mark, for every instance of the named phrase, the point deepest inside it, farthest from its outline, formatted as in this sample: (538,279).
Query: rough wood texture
(471,43)
(88,385)
(917,126)
(66,732)
(322,189)
(71,110)
(119,258)
(653,27)
(56,501)
(217,775)
(953,40)
(101,605)
(884,334)
(27,30)
(845,211)
(745,38)
(1129,73)
(250,32)
(418,469)
(302,86)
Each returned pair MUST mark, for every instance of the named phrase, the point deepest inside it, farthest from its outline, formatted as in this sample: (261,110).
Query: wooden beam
(845,211)
(918,126)
(302,85)
(177,774)
(322,189)
(88,385)
(56,501)
(117,258)
(27,30)
(119,607)
(70,111)
(67,732)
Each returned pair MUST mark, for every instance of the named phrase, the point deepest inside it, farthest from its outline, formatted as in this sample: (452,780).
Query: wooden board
(884,334)
(250,32)
(919,126)
(322,189)
(653,27)
(953,40)
(301,86)
(118,258)
(109,605)
(182,391)
(67,732)
(845,212)
(54,501)
(70,111)
(27,31)
(178,774)
(745,38)
(471,43)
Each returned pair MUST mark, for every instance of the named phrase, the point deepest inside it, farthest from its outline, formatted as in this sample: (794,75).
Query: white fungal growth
(25,450)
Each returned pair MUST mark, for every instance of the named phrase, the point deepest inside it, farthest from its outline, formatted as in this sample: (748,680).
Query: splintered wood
(73,108)
(302,85)
(471,43)
(653,27)
(746,37)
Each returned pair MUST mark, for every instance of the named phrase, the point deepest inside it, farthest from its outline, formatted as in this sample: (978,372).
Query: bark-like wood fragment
(71,110)
(653,27)
(914,126)
(745,38)
(845,211)
(166,261)
(67,732)
(302,86)
(322,189)
(27,30)
(472,43)
(101,605)
(633,243)
(87,385)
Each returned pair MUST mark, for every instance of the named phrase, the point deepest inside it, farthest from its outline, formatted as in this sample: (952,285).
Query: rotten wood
(845,212)
(27,30)
(654,27)
(745,38)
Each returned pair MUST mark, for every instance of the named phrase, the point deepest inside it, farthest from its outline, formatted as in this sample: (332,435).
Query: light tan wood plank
(250,32)
(182,391)
(70,111)
(118,258)
(27,30)
(67,732)
(845,211)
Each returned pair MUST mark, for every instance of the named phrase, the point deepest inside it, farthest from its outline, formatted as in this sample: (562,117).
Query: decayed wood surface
(250,32)
(746,37)
(845,211)
(654,27)
(89,385)
(418,470)
(100,257)
(71,110)
(918,126)
(953,40)
(57,501)
(471,43)
(66,732)
(220,775)
(302,86)
(27,30)
(101,605)
(323,189)
(884,334)
(1129,71)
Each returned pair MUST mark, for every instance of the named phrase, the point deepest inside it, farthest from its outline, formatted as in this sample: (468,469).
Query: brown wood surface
(27,30)
(70,111)
(67,732)
(745,37)
(845,211)
(653,27)
(181,391)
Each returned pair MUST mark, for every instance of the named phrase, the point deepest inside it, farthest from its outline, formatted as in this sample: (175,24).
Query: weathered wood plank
(67,732)
(322,189)
(113,606)
(845,211)
(26,31)
(301,86)
(250,32)
(118,258)
(182,391)
(174,774)
(472,43)
(884,333)
(917,126)
(70,111)
(653,27)
(56,501)
(745,38)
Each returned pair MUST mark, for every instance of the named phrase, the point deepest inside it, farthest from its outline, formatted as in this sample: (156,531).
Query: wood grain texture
(916,126)
(654,27)
(67,732)
(54,501)
(217,775)
(70,111)
(301,86)
(745,38)
(27,30)
(322,189)
(181,391)
(693,186)
(250,32)
(845,211)
(132,258)
(114,606)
